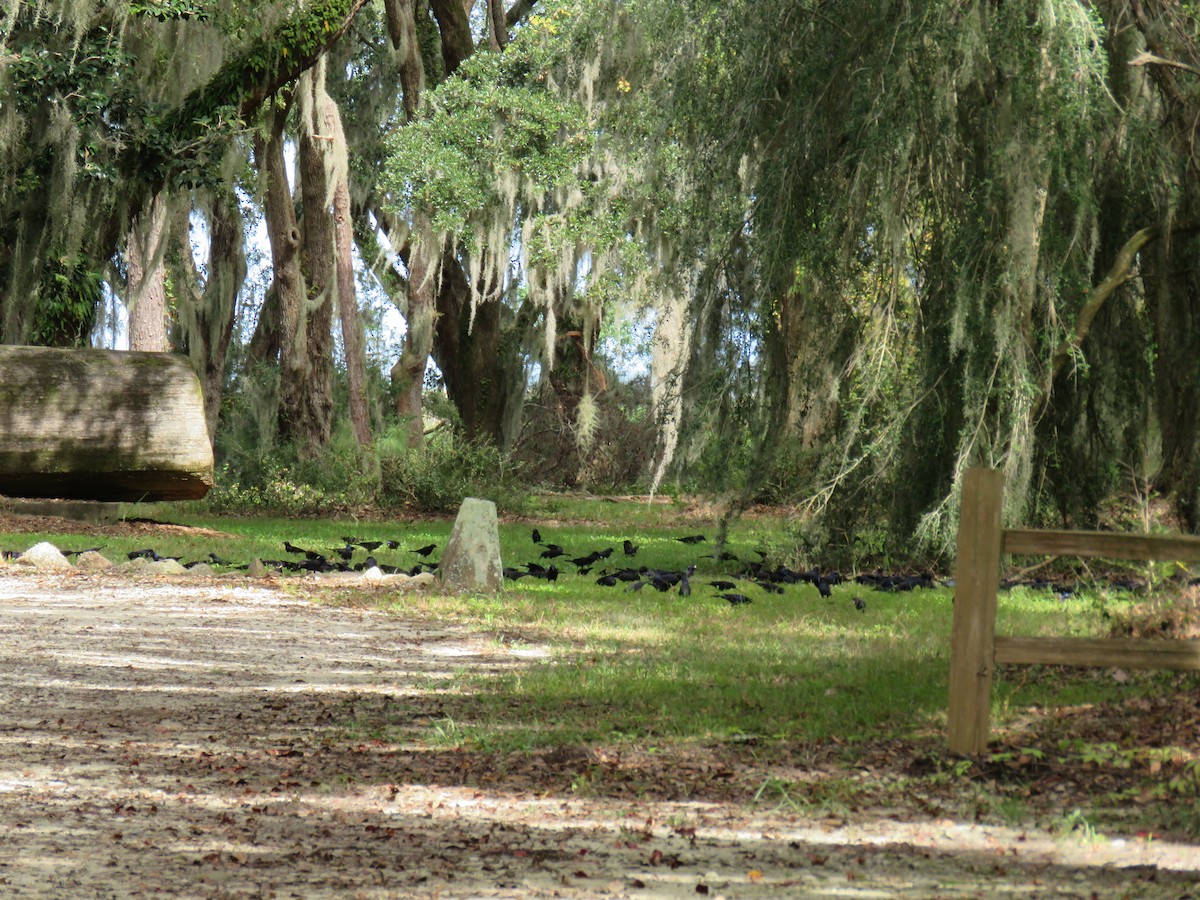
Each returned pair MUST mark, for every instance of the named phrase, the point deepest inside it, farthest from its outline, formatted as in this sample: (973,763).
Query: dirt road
(219,739)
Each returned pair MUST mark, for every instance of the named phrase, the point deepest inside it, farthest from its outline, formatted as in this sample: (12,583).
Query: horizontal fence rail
(975,649)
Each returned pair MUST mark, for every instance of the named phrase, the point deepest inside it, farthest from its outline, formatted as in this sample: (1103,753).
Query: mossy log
(101,425)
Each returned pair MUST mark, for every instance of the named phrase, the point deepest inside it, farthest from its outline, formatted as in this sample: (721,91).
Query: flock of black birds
(748,574)
(735,588)
(336,559)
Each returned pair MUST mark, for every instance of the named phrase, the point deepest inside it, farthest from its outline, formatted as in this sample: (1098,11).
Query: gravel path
(217,739)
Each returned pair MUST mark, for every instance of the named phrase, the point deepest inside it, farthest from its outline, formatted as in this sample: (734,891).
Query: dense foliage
(826,255)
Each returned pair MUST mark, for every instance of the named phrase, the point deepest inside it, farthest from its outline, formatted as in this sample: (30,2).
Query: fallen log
(101,425)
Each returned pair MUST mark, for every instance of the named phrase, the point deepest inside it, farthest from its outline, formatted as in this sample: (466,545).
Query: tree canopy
(871,243)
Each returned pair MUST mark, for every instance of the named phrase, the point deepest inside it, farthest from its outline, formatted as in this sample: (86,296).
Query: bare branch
(1146,58)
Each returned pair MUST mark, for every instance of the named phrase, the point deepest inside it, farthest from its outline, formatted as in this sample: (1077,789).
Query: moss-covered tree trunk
(316,399)
(291,325)
(480,360)
(207,315)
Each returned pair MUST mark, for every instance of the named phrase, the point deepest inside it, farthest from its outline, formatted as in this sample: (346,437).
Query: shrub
(436,477)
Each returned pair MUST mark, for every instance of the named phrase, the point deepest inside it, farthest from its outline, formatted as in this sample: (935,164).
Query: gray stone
(44,556)
(91,561)
(471,561)
(202,569)
(256,569)
(166,567)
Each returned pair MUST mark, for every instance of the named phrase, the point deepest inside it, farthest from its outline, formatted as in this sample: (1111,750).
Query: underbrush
(346,478)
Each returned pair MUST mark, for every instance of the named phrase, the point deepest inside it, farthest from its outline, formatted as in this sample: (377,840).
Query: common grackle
(692,539)
(631,548)
(860,604)
(537,536)
(552,551)
(736,599)
(723,585)
(424,551)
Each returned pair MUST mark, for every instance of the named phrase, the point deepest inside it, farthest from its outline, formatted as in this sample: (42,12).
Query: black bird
(589,560)
(217,561)
(311,555)
(823,588)
(424,551)
(631,548)
(723,556)
(607,580)
(78,552)
(736,599)
(537,536)
(603,554)
(535,570)
(552,551)
(860,604)
(685,586)
(143,554)
(692,539)
(393,545)
(345,552)
(723,585)
(513,574)
(369,546)
(769,587)
(369,563)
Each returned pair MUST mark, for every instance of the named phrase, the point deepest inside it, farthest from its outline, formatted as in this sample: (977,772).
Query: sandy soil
(216,740)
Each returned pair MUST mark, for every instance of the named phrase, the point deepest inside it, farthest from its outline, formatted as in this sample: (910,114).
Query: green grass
(659,667)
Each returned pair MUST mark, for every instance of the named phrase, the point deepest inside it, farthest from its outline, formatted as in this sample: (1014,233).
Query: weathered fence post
(977,576)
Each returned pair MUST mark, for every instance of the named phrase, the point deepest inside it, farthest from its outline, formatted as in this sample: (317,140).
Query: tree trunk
(353,339)
(402,34)
(316,423)
(408,373)
(146,297)
(480,362)
(1174,285)
(288,285)
(208,315)
(102,425)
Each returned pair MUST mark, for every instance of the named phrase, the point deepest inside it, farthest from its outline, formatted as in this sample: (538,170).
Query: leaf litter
(211,739)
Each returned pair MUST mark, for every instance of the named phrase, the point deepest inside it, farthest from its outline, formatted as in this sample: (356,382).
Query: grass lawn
(659,672)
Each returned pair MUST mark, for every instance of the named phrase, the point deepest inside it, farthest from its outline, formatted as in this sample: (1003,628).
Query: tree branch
(246,81)
(1146,58)
(518,11)
(1117,275)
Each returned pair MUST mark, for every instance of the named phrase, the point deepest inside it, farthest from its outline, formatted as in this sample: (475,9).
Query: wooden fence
(975,650)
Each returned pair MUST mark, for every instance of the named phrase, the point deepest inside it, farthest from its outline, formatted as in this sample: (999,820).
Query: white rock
(44,556)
